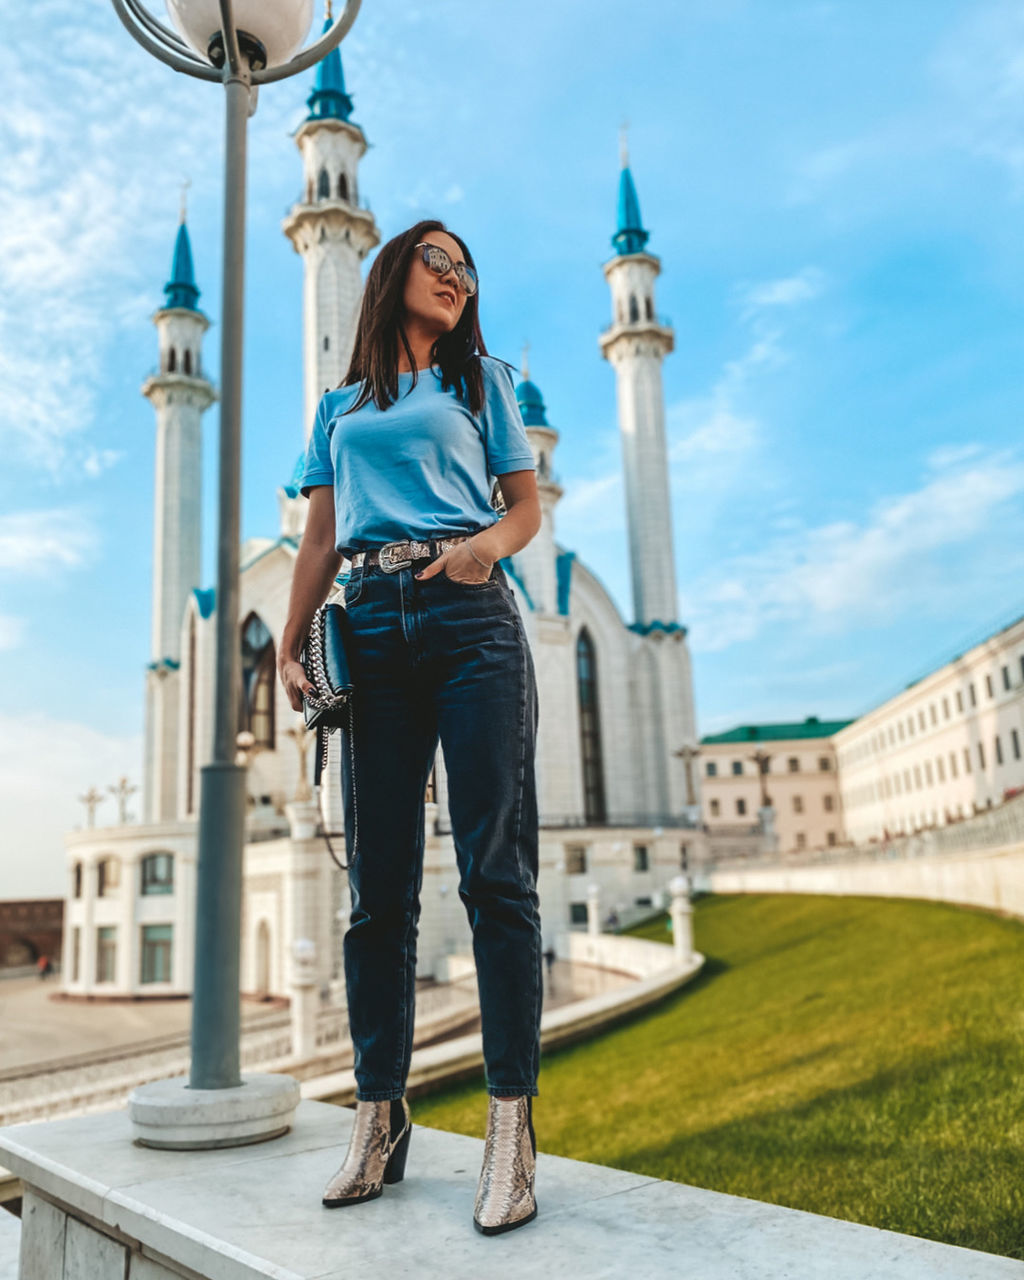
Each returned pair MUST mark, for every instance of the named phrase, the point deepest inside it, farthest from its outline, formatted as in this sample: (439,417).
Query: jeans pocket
(353,587)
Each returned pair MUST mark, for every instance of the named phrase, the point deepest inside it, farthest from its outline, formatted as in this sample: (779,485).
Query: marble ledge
(255,1212)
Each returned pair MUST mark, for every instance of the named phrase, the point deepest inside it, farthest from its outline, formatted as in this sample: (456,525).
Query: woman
(398,478)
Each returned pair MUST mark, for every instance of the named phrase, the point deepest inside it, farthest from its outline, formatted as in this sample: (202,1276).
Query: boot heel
(395,1169)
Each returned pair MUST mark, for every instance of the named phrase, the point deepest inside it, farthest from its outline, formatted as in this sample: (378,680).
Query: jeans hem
(513,1091)
(378,1095)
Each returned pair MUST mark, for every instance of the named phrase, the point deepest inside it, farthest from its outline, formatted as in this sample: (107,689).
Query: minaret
(636,343)
(330,230)
(179,393)
(536,561)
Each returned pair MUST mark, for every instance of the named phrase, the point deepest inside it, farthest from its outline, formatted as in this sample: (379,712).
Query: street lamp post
(242,44)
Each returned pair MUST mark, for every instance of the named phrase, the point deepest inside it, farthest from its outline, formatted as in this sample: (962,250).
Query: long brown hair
(374,360)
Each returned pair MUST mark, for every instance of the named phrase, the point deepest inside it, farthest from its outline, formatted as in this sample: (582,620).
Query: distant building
(949,745)
(797,771)
(30,929)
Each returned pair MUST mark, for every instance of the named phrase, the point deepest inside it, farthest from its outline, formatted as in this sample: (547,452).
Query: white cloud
(788,291)
(35,540)
(12,631)
(849,573)
(58,759)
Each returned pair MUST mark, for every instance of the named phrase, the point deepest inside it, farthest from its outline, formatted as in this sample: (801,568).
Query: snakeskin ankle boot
(376,1153)
(504,1194)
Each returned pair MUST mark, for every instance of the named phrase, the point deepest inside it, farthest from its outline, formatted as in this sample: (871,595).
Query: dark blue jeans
(441,659)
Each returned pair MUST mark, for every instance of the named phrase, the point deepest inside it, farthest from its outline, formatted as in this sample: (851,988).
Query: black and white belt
(399,555)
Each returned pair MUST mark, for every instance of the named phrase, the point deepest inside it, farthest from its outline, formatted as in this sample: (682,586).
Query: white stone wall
(930,754)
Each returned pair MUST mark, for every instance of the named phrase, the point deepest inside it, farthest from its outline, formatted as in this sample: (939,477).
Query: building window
(590,729)
(940,768)
(932,713)
(825,764)
(76,877)
(830,803)
(900,730)
(1006,677)
(158,873)
(971,695)
(712,769)
(634,309)
(920,720)
(952,765)
(715,808)
(76,954)
(798,804)
(999,750)
(259,682)
(959,700)
(106,953)
(981,754)
(801,840)
(576,860)
(988,686)
(928,773)
(577,913)
(684,857)
(737,767)
(917,777)
(906,779)
(967,760)
(830,837)
(1022,666)
(342,187)
(323,185)
(648,309)
(945,708)
(741,807)
(108,876)
(156,952)
(640,859)
(1015,740)
(910,726)
(793,764)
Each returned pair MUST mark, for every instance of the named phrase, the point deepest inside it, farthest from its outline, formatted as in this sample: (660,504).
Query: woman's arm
(521,521)
(316,567)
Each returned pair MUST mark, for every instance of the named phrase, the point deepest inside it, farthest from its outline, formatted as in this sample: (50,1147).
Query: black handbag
(326,660)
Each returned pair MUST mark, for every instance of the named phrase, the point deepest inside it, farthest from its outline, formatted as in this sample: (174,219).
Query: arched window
(634,310)
(594,809)
(256,710)
(172,360)
(187,361)
(108,876)
(77,891)
(343,187)
(323,185)
(157,873)
(649,308)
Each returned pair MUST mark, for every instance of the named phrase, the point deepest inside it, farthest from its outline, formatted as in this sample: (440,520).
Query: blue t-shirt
(422,468)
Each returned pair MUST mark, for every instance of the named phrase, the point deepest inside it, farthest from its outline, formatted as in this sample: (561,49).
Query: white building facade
(946,747)
(616,698)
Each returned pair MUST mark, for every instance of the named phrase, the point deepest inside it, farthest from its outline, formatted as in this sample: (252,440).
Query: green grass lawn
(855,1057)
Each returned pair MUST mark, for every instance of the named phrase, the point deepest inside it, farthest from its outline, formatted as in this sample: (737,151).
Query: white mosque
(618,811)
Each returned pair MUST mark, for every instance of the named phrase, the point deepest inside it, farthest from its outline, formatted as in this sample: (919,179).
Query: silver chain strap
(325,699)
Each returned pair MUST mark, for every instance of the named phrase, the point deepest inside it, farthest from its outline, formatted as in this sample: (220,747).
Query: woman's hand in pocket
(459,564)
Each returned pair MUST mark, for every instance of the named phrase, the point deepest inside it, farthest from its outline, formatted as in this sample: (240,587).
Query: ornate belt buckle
(386,557)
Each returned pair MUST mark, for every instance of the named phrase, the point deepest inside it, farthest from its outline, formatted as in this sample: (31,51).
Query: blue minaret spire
(181,289)
(329,101)
(630,236)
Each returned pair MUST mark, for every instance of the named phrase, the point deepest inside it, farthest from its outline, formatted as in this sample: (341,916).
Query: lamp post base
(170,1115)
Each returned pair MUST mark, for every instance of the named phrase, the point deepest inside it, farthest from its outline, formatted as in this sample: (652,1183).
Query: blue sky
(835,191)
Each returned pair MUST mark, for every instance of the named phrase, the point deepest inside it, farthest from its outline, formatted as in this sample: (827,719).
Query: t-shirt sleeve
(319,468)
(505,439)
